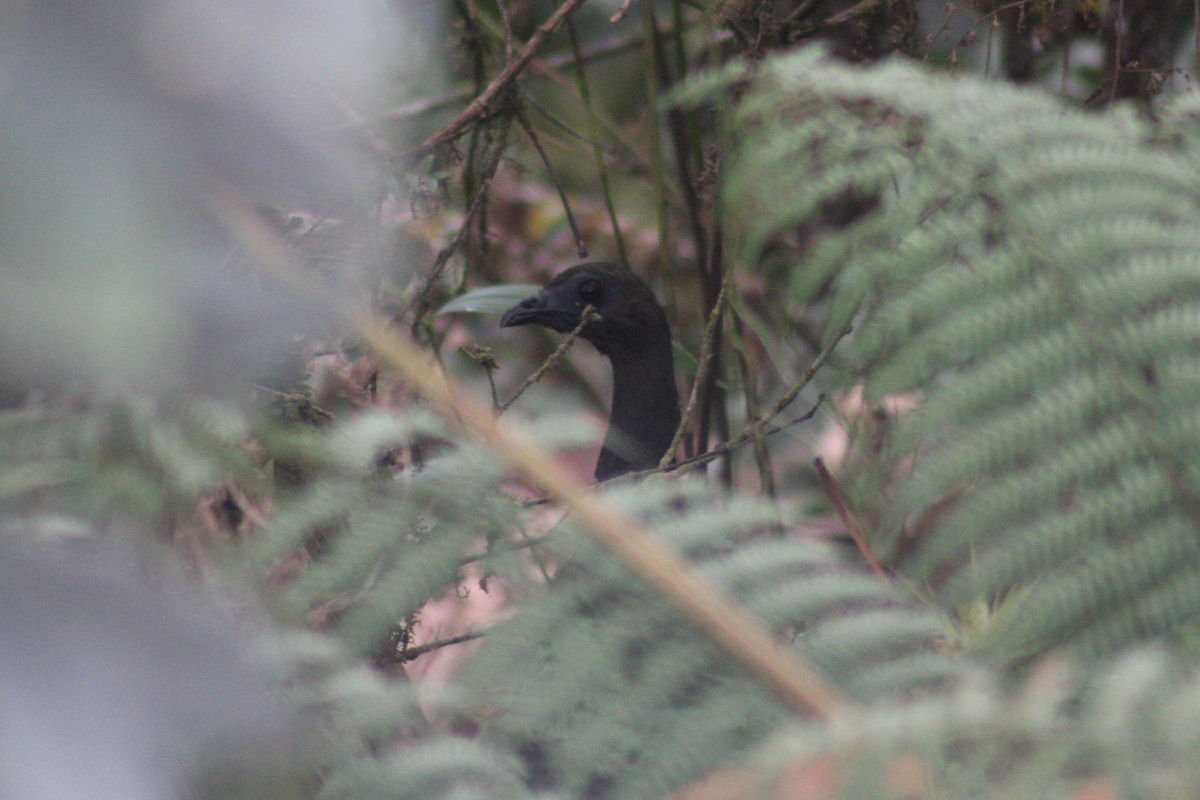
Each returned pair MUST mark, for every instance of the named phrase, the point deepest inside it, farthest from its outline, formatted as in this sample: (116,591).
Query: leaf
(490,299)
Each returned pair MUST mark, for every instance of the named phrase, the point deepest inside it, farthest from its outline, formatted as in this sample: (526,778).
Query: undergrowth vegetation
(932,529)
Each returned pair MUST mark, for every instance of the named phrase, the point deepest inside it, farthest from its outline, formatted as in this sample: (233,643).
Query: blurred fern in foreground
(1047,462)
(1025,276)
(596,684)
(608,690)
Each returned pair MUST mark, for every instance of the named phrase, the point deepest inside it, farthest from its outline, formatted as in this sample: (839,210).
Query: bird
(632,331)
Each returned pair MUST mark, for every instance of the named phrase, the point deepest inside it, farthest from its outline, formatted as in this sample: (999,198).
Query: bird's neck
(645,409)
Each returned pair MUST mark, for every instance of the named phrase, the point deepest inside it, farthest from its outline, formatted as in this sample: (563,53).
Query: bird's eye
(590,290)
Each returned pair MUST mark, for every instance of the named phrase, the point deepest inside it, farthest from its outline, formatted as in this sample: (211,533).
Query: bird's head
(630,318)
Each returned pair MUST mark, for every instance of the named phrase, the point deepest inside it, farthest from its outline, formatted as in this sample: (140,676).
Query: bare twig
(853,11)
(762,456)
(526,543)
(614,46)
(536,540)
(1120,25)
(413,653)
(480,148)
(319,615)
(841,504)
(562,125)
(419,304)
(802,8)
(580,247)
(484,358)
(713,411)
(677,127)
(588,316)
(744,437)
(506,21)
(481,106)
(783,402)
(706,351)
(621,12)
(657,81)
(759,426)
(593,124)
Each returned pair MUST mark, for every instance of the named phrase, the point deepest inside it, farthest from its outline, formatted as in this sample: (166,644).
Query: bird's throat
(645,412)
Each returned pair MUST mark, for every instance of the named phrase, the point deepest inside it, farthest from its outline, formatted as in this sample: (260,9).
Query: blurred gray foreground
(110,690)
(122,123)
(124,126)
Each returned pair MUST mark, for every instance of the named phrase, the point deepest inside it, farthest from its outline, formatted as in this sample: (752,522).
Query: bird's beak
(531,311)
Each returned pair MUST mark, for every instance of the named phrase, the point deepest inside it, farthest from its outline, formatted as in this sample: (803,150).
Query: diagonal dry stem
(481,106)
(793,680)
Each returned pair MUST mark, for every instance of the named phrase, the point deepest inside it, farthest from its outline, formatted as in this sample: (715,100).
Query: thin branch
(484,358)
(856,10)
(589,315)
(611,47)
(580,247)
(413,653)
(1120,25)
(506,21)
(740,440)
(320,614)
(481,106)
(419,303)
(801,9)
(621,12)
(525,544)
(783,402)
(677,128)
(536,540)
(759,426)
(762,456)
(701,376)
(592,120)
(476,166)
(639,167)
(713,410)
(841,504)
(656,82)
(562,125)
(623,146)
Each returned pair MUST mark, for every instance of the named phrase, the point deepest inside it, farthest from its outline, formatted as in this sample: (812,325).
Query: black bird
(633,332)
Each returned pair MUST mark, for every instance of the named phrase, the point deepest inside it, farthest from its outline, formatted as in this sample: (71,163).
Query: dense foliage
(941,329)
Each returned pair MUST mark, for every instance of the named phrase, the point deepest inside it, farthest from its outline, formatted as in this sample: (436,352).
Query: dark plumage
(632,331)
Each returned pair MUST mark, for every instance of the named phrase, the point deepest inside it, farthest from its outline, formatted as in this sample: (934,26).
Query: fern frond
(1028,276)
(120,454)
(372,738)
(362,547)
(610,692)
